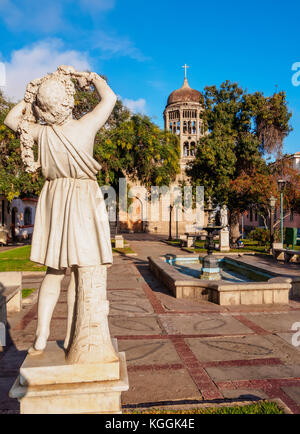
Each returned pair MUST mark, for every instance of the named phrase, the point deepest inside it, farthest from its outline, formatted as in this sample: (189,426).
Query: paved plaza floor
(177,351)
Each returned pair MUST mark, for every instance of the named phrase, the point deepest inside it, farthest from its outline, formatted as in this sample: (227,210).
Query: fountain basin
(239,284)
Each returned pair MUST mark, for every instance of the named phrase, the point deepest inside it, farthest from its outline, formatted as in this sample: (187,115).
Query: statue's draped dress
(71,223)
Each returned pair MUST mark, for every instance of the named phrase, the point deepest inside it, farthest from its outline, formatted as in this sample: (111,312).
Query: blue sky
(141,46)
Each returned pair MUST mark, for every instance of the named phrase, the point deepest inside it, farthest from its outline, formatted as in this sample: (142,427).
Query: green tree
(127,145)
(14,180)
(136,147)
(131,145)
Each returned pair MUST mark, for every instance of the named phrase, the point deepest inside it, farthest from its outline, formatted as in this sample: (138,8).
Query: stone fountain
(210,266)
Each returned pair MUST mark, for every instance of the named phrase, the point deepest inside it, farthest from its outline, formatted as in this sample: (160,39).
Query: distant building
(251,219)
(16,218)
(4,219)
(183,117)
(22,218)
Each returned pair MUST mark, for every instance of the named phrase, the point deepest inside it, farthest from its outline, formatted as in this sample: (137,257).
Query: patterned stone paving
(178,350)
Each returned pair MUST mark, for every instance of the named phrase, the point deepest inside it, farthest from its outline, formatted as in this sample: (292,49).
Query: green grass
(125,251)
(27,292)
(249,246)
(17,253)
(258,408)
(18,260)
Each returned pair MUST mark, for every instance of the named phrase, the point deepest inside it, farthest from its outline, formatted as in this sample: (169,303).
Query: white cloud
(36,61)
(114,45)
(135,106)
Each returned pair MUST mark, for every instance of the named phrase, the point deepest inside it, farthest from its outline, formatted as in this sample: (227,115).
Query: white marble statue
(71,226)
(224,216)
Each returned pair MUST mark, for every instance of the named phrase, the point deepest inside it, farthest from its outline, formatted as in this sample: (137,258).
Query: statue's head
(55,100)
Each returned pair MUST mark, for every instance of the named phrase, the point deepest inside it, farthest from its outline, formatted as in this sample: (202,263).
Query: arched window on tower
(192,149)
(184,127)
(194,127)
(189,127)
(186,149)
(170,128)
(178,128)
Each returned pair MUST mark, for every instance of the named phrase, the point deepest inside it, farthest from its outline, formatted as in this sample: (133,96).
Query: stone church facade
(182,117)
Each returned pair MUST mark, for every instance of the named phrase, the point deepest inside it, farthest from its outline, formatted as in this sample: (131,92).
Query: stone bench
(291,255)
(278,253)
(10,293)
(287,255)
(187,240)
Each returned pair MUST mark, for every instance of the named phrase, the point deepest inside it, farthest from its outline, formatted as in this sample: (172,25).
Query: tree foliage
(242,130)
(14,181)
(127,145)
(139,149)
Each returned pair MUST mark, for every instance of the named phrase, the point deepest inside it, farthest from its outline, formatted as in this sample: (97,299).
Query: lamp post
(170,223)
(272,206)
(281,184)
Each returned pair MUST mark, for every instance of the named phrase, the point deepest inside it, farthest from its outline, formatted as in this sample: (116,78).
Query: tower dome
(183,116)
(185,94)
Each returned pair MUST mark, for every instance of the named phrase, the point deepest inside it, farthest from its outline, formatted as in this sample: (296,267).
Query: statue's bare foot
(38,347)
(33,352)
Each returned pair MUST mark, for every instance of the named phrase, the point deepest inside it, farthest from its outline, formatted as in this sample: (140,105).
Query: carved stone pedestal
(119,242)
(224,240)
(48,385)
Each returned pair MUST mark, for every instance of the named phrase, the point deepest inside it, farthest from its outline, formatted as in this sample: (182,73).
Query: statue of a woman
(224,216)
(71,225)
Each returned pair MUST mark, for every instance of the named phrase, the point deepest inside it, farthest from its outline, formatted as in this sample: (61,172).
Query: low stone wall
(10,293)
(275,290)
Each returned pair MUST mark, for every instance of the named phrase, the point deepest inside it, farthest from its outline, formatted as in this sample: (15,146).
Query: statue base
(224,240)
(48,385)
(210,275)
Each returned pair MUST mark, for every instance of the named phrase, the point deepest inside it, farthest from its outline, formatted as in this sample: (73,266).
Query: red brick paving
(251,325)
(156,304)
(27,319)
(209,389)
(202,380)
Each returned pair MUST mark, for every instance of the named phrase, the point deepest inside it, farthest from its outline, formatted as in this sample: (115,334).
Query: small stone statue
(210,204)
(224,216)
(71,226)
(211,213)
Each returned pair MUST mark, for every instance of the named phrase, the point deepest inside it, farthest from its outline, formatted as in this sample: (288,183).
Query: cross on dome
(185,68)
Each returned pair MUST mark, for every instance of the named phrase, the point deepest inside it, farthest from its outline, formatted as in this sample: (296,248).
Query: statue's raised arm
(71,227)
(50,101)
(95,119)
